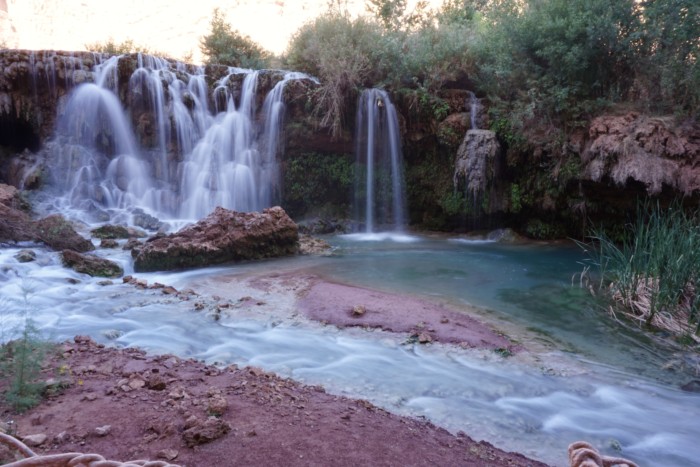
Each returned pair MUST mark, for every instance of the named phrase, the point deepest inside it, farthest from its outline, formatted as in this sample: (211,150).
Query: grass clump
(21,360)
(652,274)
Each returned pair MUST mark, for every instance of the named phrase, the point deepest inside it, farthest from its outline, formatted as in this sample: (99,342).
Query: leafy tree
(668,50)
(226,46)
(393,15)
(558,58)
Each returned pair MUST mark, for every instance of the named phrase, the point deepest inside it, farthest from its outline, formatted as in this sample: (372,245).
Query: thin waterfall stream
(379,194)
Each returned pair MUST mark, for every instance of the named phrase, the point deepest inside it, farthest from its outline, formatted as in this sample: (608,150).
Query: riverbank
(125,404)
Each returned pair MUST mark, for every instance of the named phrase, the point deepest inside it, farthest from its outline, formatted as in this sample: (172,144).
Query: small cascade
(172,148)
(379,194)
(474,110)
(220,171)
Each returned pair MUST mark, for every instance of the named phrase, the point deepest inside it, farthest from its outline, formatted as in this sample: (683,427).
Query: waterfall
(379,194)
(172,148)
(474,109)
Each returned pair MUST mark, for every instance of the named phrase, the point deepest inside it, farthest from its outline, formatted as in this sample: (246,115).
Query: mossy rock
(59,234)
(111,232)
(91,265)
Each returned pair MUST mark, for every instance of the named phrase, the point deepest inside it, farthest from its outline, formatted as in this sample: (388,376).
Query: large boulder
(221,237)
(59,234)
(15,225)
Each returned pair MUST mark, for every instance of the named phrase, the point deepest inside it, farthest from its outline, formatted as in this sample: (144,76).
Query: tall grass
(652,274)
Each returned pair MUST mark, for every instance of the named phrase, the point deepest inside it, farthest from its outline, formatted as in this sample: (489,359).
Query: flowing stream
(589,378)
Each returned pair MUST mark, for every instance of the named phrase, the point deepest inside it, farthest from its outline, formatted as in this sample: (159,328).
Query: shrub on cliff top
(346,55)
(226,46)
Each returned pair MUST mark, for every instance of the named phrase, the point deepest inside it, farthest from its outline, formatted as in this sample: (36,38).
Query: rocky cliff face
(654,151)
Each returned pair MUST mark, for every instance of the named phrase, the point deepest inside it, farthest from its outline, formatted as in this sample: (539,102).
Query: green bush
(560,59)
(318,180)
(346,55)
(226,46)
(21,360)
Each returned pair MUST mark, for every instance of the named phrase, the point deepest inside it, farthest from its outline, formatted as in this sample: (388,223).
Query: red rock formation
(221,237)
(655,151)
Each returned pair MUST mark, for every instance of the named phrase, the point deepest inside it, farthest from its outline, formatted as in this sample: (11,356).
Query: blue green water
(536,286)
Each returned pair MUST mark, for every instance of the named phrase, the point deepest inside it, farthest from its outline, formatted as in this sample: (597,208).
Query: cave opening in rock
(17,135)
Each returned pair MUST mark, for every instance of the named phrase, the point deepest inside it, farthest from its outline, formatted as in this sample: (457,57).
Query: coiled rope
(69,459)
(582,454)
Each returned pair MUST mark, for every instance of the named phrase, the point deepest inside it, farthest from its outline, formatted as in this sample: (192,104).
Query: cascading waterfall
(379,194)
(97,156)
(167,152)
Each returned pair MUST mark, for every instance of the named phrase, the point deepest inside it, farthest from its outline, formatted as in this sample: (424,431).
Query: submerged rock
(221,237)
(25,256)
(91,265)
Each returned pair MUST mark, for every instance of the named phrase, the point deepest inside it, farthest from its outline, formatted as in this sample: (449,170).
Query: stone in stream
(90,264)
(221,237)
(59,234)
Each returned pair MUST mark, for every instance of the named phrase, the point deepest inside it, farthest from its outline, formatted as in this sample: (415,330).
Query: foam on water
(398,237)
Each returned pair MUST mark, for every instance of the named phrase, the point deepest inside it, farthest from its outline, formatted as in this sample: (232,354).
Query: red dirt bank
(124,404)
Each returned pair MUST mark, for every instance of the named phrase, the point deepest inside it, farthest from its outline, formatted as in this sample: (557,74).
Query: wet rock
(424,338)
(131,244)
(35,440)
(25,256)
(110,232)
(109,243)
(322,226)
(90,264)
(204,432)
(11,197)
(451,130)
(309,245)
(222,236)
(16,226)
(59,234)
(146,221)
(692,386)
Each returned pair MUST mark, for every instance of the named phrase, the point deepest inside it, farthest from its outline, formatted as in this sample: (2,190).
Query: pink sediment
(345,305)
